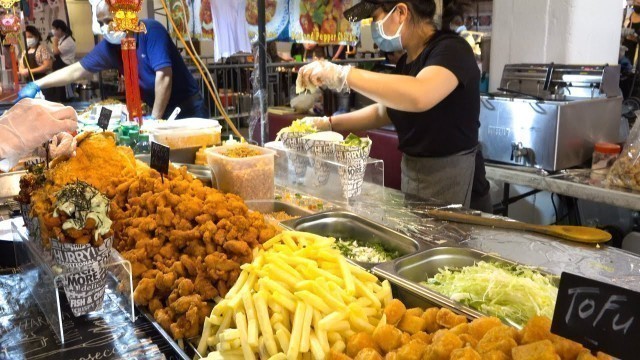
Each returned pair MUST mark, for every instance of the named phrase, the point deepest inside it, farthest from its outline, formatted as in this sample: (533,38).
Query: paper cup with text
(321,147)
(32,224)
(354,161)
(294,141)
(84,288)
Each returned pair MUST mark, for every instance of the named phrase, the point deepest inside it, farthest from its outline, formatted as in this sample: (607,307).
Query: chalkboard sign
(600,316)
(104,118)
(159,158)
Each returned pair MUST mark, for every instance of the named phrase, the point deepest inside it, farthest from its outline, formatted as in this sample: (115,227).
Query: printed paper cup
(294,141)
(321,146)
(354,159)
(84,289)
(32,223)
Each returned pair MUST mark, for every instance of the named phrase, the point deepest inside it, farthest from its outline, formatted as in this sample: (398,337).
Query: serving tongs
(580,234)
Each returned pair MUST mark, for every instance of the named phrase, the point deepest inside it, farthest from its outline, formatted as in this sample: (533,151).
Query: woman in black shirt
(433,99)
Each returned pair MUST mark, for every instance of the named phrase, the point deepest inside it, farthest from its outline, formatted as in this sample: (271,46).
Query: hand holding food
(321,123)
(323,74)
(62,145)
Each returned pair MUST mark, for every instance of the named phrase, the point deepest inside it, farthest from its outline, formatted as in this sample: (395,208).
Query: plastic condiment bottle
(604,155)
(143,147)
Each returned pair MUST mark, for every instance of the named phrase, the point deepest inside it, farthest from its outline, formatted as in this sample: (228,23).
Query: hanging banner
(276,16)
(182,15)
(41,13)
(322,22)
(204,25)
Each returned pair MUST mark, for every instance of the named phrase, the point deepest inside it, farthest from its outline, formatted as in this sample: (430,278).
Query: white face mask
(113,37)
(31,42)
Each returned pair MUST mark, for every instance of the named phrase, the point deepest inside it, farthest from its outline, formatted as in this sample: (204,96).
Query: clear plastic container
(187,133)
(252,178)
(604,155)
(143,146)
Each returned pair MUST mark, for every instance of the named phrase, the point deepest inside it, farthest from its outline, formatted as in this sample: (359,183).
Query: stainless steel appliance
(550,116)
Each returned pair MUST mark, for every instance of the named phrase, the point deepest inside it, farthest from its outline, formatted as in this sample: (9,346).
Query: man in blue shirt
(159,63)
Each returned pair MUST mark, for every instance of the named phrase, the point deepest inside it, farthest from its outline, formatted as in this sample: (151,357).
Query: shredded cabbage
(513,293)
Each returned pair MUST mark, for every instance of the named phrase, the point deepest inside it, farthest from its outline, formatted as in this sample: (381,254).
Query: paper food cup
(32,223)
(85,288)
(294,141)
(354,159)
(321,147)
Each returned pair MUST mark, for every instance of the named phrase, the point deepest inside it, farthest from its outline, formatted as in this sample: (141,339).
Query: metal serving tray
(270,206)
(343,224)
(409,271)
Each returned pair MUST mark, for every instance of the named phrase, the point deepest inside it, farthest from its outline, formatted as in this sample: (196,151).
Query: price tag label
(160,158)
(600,316)
(104,118)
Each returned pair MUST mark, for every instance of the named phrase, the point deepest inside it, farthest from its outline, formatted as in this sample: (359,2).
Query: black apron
(57,61)
(33,63)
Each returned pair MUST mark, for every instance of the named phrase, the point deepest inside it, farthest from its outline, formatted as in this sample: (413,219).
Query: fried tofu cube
(368,354)
(412,351)
(334,355)
(405,338)
(394,311)
(501,338)
(537,328)
(391,356)
(411,324)
(443,343)
(539,350)
(360,341)
(479,327)
(468,340)
(567,349)
(586,355)
(448,319)
(388,337)
(460,329)
(422,336)
(416,311)
(465,353)
(430,323)
(495,355)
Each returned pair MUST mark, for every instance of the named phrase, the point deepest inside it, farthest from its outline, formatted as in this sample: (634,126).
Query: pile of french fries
(298,299)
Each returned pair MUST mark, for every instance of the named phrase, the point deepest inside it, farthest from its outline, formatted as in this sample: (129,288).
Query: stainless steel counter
(575,183)
(407,215)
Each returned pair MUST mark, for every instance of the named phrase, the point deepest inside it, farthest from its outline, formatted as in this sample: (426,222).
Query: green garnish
(364,251)
(355,140)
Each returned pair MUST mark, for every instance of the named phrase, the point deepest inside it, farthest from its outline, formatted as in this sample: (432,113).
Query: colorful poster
(182,15)
(204,26)
(321,21)
(41,14)
(276,16)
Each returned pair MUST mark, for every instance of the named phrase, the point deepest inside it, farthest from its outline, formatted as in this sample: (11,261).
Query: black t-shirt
(452,125)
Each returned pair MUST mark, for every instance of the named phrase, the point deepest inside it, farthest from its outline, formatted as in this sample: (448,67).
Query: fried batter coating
(368,354)
(360,341)
(479,327)
(388,337)
(465,353)
(430,323)
(412,351)
(539,350)
(448,319)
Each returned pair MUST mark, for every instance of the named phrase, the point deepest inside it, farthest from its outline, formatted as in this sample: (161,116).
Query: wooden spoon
(581,234)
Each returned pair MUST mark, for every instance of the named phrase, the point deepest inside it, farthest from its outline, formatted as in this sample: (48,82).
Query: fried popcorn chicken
(495,355)
(388,337)
(368,354)
(416,311)
(539,350)
(448,319)
(144,291)
(442,344)
(360,341)
(422,336)
(465,353)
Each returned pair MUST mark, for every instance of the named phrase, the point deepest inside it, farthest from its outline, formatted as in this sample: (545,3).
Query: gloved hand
(321,123)
(63,144)
(323,73)
(29,91)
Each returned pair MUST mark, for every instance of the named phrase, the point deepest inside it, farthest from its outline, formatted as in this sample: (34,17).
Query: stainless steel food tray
(270,206)
(409,271)
(344,224)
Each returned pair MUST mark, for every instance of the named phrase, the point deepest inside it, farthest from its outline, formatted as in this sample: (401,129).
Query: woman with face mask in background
(37,59)
(63,45)
(433,98)
(164,79)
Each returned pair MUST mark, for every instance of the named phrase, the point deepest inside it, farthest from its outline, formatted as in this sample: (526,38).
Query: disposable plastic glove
(63,144)
(320,123)
(323,74)
(29,91)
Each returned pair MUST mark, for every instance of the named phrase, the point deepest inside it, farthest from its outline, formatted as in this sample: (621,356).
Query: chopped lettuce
(514,293)
(355,140)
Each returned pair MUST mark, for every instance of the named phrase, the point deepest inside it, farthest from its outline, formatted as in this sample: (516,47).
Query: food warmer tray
(344,224)
(270,206)
(409,271)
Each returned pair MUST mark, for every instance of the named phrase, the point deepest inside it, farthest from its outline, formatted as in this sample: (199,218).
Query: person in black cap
(433,99)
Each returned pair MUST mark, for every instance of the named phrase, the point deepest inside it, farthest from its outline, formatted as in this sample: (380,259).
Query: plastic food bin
(252,178)
(186,133)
